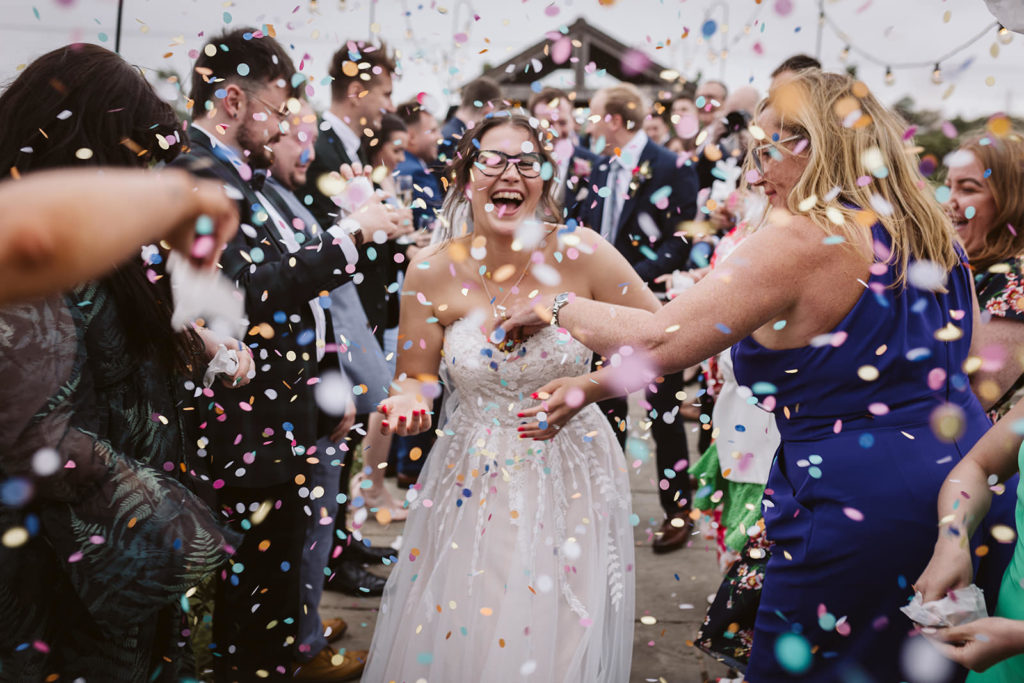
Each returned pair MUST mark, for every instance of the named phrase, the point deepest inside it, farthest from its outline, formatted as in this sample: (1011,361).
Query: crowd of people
(468,304)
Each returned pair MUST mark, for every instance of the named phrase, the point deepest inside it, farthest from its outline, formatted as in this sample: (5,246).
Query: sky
(444,43)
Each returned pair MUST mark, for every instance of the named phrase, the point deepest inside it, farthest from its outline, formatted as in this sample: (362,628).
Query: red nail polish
(520,415)
(533,395)
(401,418)
(522,436)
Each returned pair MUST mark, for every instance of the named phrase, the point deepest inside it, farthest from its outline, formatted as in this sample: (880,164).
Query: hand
(525,320)
(220,224)
(980,644)
(350,171)
(950,568)
(376,216)
(722,218)
(560,400)
(404,415)
(246,367)
(405,224)
(346,423)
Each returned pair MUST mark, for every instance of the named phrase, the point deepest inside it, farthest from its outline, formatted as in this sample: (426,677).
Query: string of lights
(1002,34)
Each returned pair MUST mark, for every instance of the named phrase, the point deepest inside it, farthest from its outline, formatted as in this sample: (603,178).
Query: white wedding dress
(517,557)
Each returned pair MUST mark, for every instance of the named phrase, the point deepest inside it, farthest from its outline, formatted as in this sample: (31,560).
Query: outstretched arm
(420,338)
(61,228)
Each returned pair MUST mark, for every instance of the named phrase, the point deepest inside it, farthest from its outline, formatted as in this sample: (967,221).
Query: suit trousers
(671,450)
(258,599)
(324,475)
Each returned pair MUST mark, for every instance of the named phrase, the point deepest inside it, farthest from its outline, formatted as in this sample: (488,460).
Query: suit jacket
(651,246)
(425,187)
(574,190)
(376,261)
(257,434)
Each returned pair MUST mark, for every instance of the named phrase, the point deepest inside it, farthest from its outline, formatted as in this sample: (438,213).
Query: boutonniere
(581,168)
(641,174)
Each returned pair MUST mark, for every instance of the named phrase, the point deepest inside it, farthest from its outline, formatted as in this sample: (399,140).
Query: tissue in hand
(960,606)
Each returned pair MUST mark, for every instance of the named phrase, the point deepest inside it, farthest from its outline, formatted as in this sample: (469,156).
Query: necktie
(612,203)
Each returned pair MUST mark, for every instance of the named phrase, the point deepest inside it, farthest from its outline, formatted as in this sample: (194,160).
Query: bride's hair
(454,218)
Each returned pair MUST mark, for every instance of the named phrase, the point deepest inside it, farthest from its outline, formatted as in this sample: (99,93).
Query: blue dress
(851,498)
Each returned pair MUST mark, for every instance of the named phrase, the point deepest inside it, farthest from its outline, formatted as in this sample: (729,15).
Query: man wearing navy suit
(553,108)
(639,195)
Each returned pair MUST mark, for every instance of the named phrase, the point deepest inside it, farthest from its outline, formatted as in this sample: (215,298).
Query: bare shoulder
(429,267)
(797,242)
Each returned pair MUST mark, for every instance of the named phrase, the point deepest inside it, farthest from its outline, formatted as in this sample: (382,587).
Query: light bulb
(937,75)
(889,78)
(1003,35)
(845,54)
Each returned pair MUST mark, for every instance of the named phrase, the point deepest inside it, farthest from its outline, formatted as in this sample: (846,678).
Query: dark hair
(261,58)
(83,96)
(459,172)
(376,59)
(477,94)
(410,112)
(547,95)
(797,63)
(663,110)
(389,125)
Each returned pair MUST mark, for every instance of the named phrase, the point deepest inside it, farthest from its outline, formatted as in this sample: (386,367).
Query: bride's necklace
(499,309)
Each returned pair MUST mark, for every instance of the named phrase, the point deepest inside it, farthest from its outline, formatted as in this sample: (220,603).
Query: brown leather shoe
(674,533)
(334,629)
(328,666)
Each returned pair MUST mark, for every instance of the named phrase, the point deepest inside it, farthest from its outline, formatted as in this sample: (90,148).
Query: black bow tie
(257,181)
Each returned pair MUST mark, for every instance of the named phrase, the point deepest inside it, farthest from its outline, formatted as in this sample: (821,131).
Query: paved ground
(672,588)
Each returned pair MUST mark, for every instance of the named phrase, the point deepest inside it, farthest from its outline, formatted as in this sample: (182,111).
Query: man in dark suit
(357,105)
(639,195)
(258,447)
(553,108)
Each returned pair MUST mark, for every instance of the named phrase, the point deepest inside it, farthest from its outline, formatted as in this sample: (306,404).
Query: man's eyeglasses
(491,162)
(280,112)
(771,148)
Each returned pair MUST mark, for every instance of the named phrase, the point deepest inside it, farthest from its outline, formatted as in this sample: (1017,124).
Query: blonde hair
(849,136)
(1004,158)
(627,101)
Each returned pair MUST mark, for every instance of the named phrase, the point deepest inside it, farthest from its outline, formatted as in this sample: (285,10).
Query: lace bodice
(493,383)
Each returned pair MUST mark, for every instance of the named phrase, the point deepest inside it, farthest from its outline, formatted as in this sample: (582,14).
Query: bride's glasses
(771,149)
(491,162)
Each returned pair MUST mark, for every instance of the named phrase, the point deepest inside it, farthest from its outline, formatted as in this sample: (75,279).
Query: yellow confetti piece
(648,620)
(949,333)
(1000,127)
(868,373)
(672,328)
(383,515)
(808,203)
(486,611)
(264,545)
(1003,533)
(835,216)
(83,153)
(15,536)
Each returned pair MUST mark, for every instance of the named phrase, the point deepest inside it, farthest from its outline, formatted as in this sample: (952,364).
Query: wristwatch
(351,227)
(560,300)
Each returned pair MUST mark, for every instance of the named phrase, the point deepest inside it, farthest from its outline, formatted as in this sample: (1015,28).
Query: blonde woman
(851,316)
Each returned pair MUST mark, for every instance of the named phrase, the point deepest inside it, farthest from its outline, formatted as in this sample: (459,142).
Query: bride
(517,561)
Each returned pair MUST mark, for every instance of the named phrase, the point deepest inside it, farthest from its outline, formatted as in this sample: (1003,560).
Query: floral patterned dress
(1001,294)
(100,539)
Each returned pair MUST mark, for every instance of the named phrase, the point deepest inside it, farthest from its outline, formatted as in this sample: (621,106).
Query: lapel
(201,143)
(593,209)
(647,155)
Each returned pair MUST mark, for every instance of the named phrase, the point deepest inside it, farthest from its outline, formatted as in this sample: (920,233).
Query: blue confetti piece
(306,337)
(724,329)
(764,388)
